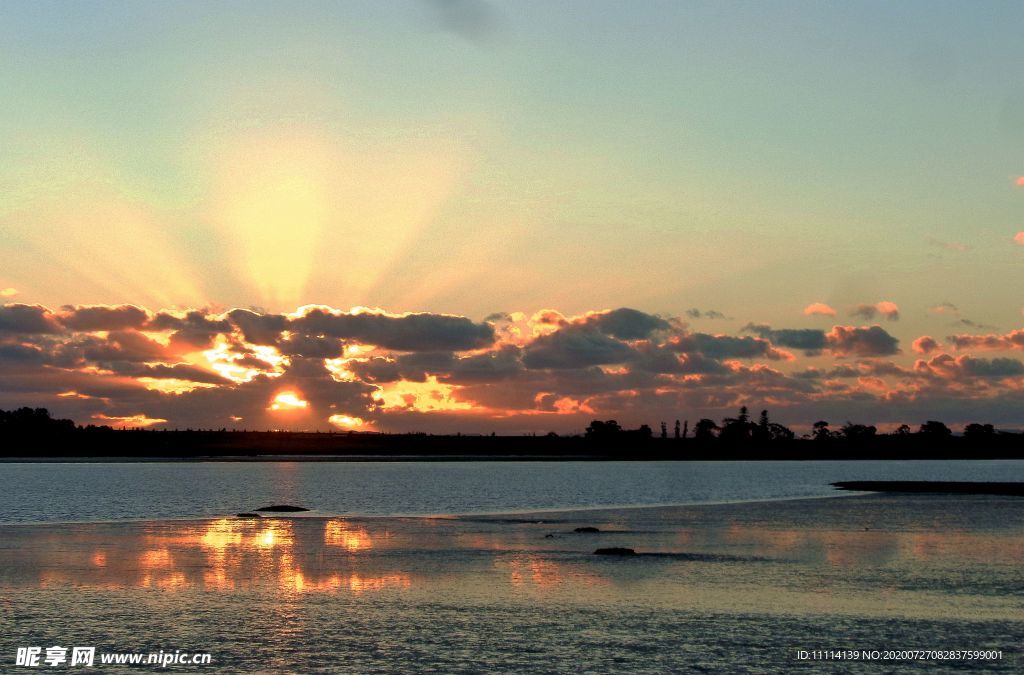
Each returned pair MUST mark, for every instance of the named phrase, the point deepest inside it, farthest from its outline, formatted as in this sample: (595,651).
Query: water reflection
(820,557)
(303,556)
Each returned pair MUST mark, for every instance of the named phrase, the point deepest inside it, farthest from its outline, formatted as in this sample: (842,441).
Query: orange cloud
(1019,238)
(819,309)
(925,345)
(8,292)
(288,400)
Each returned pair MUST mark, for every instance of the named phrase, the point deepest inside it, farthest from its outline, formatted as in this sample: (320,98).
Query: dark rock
(282,508)
(615,551)
(248,515)
(549,536)
(587,530)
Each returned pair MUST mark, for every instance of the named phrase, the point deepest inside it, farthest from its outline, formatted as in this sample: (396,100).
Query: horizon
(476,215)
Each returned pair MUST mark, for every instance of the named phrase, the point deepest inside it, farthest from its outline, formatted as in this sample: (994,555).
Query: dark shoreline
(934,487)
(141,459)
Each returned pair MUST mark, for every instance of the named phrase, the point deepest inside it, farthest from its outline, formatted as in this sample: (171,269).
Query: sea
(493,567)
(101,491)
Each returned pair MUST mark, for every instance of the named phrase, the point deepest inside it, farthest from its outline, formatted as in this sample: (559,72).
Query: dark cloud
(695,313)
(28,319)
(725,346)
(22,353)
(806,339)
(861,341)
(258,328)
(1012,340)
(311,346)
(946,366)
(576,346)
(195,329)
(973,324)
(494,366)
(627,324)
(103,317)
(407,332)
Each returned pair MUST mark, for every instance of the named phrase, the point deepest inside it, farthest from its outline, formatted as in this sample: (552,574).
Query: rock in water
(615,551)
(282,508)
(587,530)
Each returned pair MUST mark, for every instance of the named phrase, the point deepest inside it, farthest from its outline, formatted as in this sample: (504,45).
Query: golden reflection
(292,555)
(155,559)
(338,533)
(537,572)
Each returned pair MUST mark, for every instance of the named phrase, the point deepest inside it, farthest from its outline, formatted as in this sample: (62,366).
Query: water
(76,492)
(716,588)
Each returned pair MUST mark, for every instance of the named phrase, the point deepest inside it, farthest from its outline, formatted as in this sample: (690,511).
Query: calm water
(717,588)
(130,491)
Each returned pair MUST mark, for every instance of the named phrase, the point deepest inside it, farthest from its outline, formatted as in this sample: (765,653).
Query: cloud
(973,324)
(1020,181)
(440,372)
(925,345)
(103,317)
(1019,238)
(627,324)
(28,319)
(695,313)
(954,368)
(405,332)
(861,341)
(1008,341)
(575,346)
(885,308)
(810,340)
(819,309)
(725,346)
(8,292)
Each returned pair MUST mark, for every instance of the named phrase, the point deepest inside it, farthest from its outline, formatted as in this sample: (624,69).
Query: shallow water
(717,588)
(44,492)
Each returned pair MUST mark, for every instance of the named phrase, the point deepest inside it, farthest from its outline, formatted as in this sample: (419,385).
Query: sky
(481,216)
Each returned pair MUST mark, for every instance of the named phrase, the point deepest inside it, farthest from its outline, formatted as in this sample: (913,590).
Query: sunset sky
(463,215)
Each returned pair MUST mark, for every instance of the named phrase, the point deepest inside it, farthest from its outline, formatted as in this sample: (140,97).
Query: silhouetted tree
(677,430)
(738,430)
(779,432)
(704,430)
(902,430)
(664,430)
(935,429)
(979,432)
(601,429)
(686,428)
(763,432)
(820,431)
(858,433)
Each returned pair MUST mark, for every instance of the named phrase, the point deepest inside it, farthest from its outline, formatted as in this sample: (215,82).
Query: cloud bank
(321,367)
